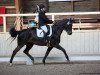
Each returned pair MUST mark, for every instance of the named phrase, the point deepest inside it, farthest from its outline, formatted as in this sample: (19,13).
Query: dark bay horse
(28,37)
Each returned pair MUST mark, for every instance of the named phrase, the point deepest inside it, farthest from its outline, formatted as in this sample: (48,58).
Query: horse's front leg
(46,54)
(63,50)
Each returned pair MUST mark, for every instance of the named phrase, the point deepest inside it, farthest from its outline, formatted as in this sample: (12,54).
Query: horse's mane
(60,22)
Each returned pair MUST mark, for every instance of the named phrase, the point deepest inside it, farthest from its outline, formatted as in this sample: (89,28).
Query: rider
(43,20)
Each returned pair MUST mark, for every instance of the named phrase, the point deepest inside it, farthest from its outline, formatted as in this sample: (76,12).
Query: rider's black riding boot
(47,39)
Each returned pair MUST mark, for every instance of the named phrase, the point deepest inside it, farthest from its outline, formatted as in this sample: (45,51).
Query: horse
(29,38)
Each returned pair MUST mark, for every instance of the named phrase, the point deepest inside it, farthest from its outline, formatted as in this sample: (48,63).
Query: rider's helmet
(41,7)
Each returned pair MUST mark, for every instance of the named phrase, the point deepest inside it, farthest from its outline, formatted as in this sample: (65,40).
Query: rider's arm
(44,17)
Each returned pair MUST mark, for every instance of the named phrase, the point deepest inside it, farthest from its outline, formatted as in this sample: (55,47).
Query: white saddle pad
(44,28)
(40,32)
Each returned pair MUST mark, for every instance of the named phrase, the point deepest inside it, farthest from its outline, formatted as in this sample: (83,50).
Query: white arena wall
(81,42)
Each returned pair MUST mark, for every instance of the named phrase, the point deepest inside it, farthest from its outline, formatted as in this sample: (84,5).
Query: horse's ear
(70,19)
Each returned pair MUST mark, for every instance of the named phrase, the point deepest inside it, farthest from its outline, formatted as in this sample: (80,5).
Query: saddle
(44,30)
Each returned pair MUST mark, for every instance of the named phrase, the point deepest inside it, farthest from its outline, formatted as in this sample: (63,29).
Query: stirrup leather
(48,44)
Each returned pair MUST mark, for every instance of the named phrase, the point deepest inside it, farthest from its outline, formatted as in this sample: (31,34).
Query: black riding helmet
(40,7)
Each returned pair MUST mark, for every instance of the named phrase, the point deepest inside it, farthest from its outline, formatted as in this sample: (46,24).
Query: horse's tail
(13,32)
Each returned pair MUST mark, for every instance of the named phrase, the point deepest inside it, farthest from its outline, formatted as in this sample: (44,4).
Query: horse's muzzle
(69,33)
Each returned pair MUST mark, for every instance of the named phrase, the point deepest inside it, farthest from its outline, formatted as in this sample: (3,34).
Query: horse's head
(68,26)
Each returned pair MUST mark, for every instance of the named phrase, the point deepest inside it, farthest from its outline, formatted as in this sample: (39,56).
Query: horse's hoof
(10,64)
(68,61)
(43,62)
(33,62)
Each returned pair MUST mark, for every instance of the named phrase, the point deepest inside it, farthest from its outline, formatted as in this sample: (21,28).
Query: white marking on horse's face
(68,23)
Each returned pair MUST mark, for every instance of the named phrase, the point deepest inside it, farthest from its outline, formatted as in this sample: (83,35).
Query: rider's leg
(46,37)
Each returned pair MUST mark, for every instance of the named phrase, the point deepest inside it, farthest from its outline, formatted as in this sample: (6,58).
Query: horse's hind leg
(63,50)
(26,51)
(14,52)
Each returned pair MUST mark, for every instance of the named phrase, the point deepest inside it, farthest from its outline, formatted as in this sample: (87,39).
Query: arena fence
(80,43)
(75,15)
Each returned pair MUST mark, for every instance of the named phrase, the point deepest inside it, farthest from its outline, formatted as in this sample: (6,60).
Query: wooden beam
(86,25)
(17,5)
(72,6)
(99,5)
(10,7)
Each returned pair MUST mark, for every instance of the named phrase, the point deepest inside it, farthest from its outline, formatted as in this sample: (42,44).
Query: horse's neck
(58,30)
